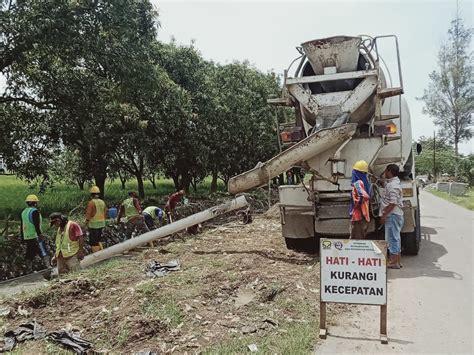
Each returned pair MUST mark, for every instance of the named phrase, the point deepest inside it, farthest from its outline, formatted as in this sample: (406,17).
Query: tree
(449,98)
(445,157)
(83,68)
(68,167)
(186,150)
(243,131)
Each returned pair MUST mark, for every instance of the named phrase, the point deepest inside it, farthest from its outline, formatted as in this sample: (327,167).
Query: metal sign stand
(383,314)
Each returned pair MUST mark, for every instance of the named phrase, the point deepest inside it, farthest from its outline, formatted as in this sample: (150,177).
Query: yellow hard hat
(94,190)
(361,166)
(32,198)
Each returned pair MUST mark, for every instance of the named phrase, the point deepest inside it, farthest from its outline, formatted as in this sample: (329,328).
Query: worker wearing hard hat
(151,214)
(360,197)
(30,229)
(96,213)
(69,243)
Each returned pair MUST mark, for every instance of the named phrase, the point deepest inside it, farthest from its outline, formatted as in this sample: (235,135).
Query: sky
(266,33)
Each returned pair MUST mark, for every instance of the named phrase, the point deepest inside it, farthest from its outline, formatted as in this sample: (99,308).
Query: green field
(65,198)
(466,201)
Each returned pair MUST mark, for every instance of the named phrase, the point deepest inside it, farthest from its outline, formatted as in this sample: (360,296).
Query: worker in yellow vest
(30,230)
(96,213)
(69,243)
(132,211)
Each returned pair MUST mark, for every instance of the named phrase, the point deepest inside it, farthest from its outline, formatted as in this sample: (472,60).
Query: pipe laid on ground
(164,231)
(304,150)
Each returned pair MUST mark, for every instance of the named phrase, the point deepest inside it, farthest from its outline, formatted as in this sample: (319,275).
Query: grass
(65,198)
(163,308)
(466,201)
(296,339)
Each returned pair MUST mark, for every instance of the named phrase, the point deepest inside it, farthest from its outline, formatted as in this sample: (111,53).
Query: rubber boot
(400,260)
(393,261)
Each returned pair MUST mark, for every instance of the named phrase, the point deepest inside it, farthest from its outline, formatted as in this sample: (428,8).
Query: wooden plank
(383,324)
(331,77)
(322,320)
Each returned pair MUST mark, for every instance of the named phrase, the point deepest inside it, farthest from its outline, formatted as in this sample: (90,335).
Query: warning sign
(353,271)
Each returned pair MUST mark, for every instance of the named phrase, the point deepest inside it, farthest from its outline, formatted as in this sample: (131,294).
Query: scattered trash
(34,330)
(156,269)
(253,348)
(4,311)
(245,215)
(26,331)
(244,297)
(23,311)
(70,341)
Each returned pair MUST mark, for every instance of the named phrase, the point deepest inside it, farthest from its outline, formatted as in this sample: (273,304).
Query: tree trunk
(141,187)
(186,182)
(176,182)
(123,180)
(194,184)
(100,183)
(214,181)
(152,180)
(456,163)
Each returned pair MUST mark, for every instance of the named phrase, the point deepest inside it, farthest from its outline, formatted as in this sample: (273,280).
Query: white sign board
(353,271)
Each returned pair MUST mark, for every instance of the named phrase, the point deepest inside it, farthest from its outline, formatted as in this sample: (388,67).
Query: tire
(411,241)
(304,245)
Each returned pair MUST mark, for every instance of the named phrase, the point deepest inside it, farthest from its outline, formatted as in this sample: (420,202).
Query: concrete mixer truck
(346,109)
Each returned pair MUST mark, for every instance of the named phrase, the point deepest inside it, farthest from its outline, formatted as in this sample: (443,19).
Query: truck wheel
(411,241)
(304,245)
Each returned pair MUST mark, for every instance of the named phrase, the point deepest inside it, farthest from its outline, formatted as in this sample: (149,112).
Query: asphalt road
(430,299)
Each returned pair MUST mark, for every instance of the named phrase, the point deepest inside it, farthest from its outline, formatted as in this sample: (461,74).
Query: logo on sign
(338,245)
(327,244)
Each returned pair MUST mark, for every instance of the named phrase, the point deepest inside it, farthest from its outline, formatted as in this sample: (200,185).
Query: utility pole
(434,156)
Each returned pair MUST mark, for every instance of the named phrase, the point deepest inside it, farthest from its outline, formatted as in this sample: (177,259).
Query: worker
(132,210)
(391,214)
(151,214)
(96,213)
(360,197)
(30,230)
(170,206)
(69,243)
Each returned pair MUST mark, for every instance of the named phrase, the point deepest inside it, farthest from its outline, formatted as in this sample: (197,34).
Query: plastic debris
(156,269)
(26,331)
(70,341)
(4,311)
(253,348)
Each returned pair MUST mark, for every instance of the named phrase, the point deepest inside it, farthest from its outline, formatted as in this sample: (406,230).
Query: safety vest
(64,245)
(29,230)
(151,211)
(129,207)
(98,221)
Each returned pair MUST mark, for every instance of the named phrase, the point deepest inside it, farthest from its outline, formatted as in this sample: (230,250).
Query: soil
(237,282)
